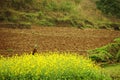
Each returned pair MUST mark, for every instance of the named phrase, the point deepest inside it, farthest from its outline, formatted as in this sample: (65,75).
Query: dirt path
(53,39)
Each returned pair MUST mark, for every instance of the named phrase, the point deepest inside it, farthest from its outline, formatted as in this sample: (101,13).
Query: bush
(118,56)
(117,40)
(51,66)
(100,54)
(111,7)
(108,53)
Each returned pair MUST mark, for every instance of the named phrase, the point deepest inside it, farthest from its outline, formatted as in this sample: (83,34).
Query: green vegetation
(109,53)
(106,55)
(110,7)
(42,12)
(50,66)
(76,13)
(113,70)
(109,25)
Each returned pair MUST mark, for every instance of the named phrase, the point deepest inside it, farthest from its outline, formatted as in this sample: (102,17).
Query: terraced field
(53,39)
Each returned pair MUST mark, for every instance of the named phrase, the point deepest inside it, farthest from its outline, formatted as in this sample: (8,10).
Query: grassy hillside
(79,13)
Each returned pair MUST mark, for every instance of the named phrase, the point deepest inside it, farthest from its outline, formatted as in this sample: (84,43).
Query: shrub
(51,66)
(100,54)
(111,7)
(117,40)
(108,53)
(118,56)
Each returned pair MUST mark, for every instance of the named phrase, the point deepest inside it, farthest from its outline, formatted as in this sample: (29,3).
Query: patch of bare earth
(53,39)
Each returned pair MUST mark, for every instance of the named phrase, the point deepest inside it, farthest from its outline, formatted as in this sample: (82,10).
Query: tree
(110,7)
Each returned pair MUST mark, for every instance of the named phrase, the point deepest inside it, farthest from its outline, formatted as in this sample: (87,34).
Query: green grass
(41,12)
(113,70)
(50,66)
(69,13)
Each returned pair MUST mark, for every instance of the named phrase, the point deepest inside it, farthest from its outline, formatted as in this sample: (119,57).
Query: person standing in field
(34,50)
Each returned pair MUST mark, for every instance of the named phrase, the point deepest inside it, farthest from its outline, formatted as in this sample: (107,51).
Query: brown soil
(53,39)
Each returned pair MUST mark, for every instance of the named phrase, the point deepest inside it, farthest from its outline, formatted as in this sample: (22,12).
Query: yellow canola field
(50,66)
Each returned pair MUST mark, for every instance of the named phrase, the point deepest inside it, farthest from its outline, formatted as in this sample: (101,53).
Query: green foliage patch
(113,70)
(109,53)
(110,7)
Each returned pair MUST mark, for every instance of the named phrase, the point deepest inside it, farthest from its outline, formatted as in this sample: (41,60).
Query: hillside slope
(90,11)
(79,13)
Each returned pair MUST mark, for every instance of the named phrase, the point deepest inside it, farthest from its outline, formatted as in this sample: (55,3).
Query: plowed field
(53,39)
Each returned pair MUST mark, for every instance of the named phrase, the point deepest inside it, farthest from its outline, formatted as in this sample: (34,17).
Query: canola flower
(50,66)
